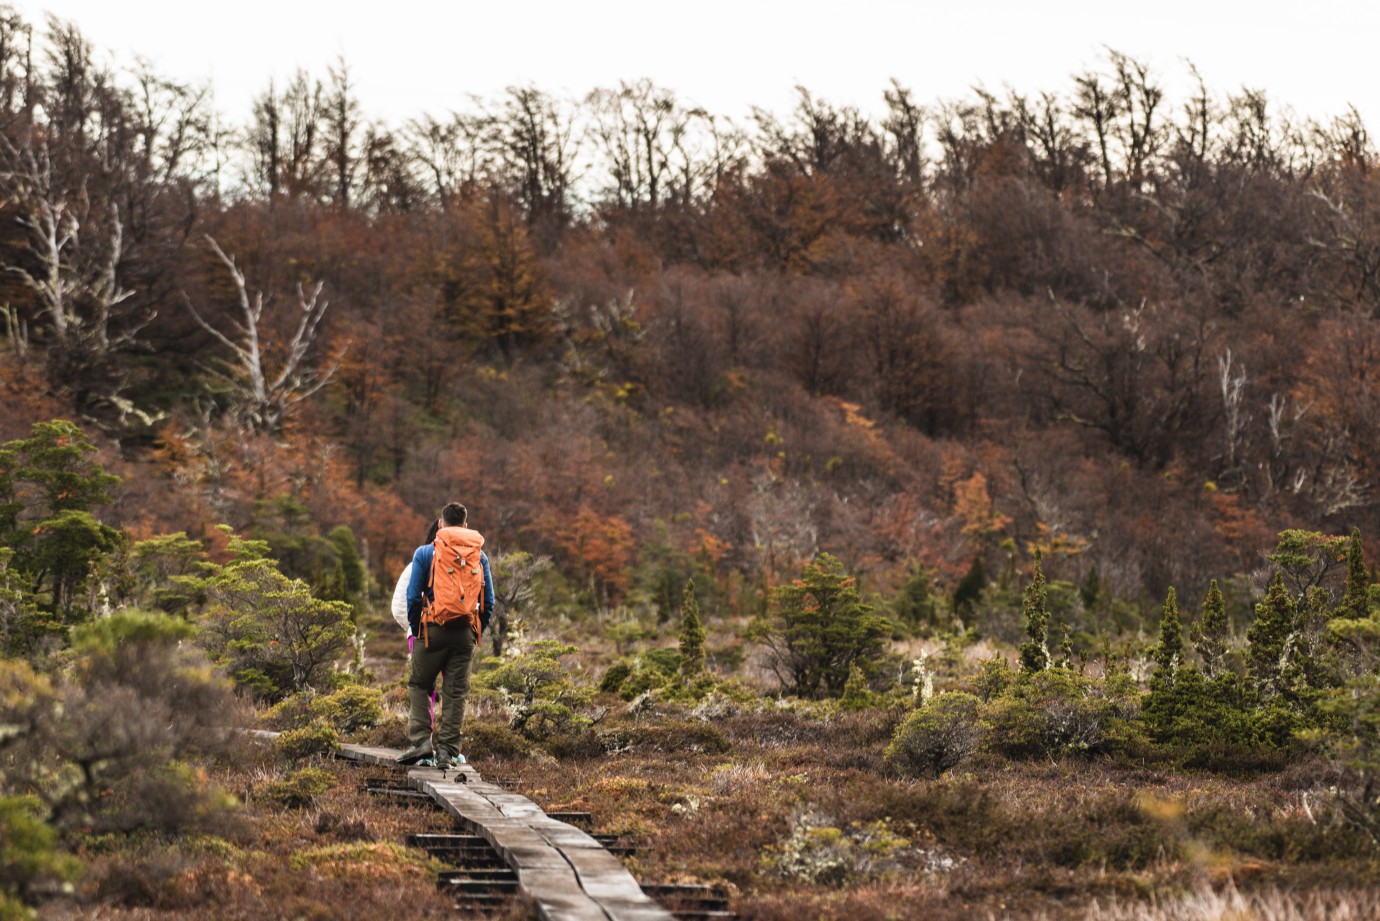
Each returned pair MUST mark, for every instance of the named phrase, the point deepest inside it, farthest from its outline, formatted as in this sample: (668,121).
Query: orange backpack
(457,579)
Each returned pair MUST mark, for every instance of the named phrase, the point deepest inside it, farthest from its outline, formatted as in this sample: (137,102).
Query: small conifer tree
(1170,651)
(1357,582)
(269,632)
(1035,651)
(23,626)
(1303,559)
(1268,641)
(1209,635)
(856,695)
(49,484)
(1163,707)
(691,633)
(817,628)
(915,604)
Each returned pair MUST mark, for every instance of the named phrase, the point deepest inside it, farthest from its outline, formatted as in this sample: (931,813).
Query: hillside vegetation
(965,509)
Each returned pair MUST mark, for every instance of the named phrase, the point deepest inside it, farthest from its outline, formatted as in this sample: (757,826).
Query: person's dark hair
(454,515)
(431,531)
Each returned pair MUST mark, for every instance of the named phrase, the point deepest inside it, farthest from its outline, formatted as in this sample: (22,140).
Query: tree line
(1132,332)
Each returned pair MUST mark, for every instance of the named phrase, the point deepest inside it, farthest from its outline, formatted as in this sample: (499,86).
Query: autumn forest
(1010,369)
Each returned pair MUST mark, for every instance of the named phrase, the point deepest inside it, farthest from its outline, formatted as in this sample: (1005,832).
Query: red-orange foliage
(597,548)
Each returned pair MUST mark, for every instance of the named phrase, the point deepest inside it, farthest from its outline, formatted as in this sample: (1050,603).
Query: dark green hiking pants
(449,652)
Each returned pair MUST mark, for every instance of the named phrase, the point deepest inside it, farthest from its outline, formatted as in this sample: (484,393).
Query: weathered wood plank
(562,836)
(643,910)
(368,755)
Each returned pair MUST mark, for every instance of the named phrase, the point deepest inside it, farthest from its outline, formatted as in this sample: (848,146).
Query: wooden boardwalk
(568,875)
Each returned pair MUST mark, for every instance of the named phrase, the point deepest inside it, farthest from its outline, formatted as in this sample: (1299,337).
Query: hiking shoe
(416,753)
(444,759)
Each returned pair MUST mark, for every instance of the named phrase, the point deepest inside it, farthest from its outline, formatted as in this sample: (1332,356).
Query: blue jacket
(418,593)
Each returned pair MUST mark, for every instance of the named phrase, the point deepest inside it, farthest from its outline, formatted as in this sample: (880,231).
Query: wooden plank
(519,810)
(608,882)
(563,837)
(558,895)
(457,799)
(644,910)
(522,853)
(368,755)
(572,907)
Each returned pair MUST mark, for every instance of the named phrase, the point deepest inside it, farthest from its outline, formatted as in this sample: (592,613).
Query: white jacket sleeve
(400,599)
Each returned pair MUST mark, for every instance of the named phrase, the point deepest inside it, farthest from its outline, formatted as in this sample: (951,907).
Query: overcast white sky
(413,56)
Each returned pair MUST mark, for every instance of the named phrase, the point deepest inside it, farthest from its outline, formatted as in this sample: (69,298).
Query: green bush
(664,660)
(268,631)
(300,788)
(617,673)
(938,736)
(28,856)
(1223,711)
(494,740)
(351,709)
(826,855)
(306,742)
(653,670)
(291,712)
(107,738)
(994,677)
(1055,712)
(817,629)
(538,691)
(131,627)
(856,694)
(546,719)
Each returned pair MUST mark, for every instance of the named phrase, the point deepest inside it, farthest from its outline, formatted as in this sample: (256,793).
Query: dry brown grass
(1070,840)
(1007,839)
(1231,904)
(344,856)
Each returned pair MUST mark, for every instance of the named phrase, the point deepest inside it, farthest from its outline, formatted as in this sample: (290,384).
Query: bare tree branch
(266,396)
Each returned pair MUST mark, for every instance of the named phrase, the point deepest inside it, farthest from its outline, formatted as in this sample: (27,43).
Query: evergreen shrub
(1055,712)
(938,736)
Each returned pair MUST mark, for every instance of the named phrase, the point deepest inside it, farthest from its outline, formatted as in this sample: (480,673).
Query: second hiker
(450,599)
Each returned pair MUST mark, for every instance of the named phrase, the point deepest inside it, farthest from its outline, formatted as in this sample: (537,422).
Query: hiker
(450,598)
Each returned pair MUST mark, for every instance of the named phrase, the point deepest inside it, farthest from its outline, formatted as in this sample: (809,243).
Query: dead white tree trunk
(266,396)
(77,285)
